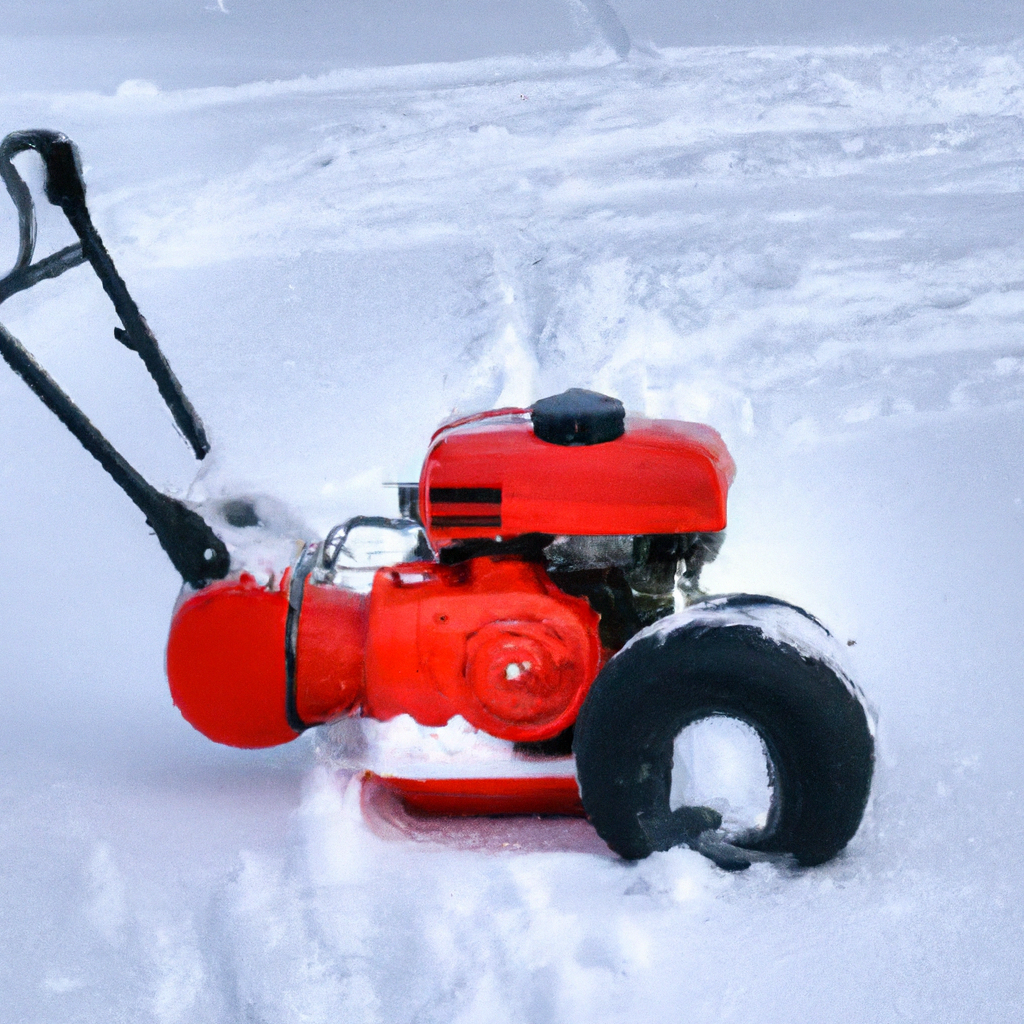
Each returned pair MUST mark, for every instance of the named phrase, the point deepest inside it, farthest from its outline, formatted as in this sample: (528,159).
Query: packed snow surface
(819,251)
(403,748)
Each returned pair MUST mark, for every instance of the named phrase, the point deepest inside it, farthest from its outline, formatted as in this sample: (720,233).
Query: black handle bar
(65,188)
(196,551)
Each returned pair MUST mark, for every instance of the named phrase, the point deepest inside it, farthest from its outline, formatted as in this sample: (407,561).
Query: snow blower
(546,593)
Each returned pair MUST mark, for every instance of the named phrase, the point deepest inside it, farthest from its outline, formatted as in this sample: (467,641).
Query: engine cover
(490,639)
(492,476)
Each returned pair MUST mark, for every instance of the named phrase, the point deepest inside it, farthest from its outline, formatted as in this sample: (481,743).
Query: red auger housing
(543,526)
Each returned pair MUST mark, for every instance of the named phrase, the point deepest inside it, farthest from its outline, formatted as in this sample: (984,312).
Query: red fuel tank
(490,476)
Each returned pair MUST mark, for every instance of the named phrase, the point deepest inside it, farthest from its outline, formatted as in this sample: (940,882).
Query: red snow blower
(547,593)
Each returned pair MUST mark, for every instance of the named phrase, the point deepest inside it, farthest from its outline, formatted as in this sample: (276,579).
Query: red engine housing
(491,639)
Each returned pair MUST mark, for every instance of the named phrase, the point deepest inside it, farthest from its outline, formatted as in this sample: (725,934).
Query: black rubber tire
(718,660)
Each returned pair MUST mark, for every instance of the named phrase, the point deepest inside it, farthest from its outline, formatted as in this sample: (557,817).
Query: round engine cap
(578,417)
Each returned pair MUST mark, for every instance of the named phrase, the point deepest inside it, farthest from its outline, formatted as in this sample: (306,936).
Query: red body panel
(661,476)
(491,639)
(225,663)
(524,795)
(329,653)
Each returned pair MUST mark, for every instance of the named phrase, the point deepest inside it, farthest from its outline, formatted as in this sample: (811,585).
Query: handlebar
(197,553)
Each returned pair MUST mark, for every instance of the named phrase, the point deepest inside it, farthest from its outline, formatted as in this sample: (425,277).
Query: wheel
(773,669)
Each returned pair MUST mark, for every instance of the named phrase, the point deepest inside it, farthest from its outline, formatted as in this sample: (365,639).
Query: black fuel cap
(577,417)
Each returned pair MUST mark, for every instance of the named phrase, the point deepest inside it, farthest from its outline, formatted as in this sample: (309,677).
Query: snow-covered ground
(817,250)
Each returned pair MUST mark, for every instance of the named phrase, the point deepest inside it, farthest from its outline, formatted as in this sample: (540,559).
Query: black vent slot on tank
(578,417)
(465,495)
(447,509)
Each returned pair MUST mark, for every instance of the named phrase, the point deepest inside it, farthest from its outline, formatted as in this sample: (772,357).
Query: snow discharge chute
(196,551)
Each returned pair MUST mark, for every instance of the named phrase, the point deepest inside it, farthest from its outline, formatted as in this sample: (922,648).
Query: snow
(722,763)
(403,748)
(779,623)
(814,248)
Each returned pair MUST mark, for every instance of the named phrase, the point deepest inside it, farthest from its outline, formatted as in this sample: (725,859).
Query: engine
(538,542)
